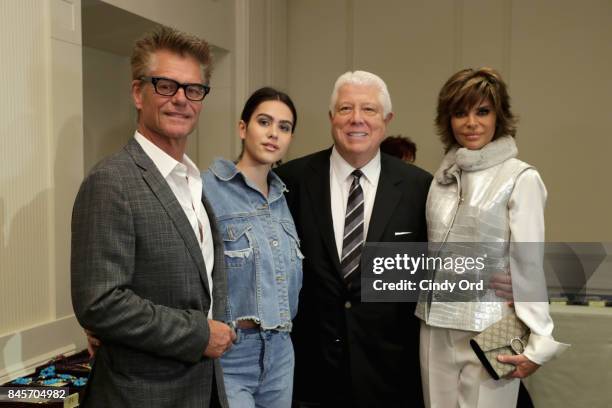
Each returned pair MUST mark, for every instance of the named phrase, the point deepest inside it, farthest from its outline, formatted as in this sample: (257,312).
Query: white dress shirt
(526,210)
(340,180)
(186,184)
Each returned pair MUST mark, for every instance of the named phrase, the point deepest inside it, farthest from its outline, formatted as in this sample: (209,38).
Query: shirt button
(347,304)
(274,243)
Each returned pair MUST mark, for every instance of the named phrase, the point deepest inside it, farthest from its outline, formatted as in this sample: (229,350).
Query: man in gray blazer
(147,261)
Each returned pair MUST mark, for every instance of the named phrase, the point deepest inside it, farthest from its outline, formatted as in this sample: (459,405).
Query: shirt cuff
(541,349)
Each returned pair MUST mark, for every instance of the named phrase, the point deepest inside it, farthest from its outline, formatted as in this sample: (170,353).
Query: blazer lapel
(387,198)
(219,276)
(317,184)
(167,199)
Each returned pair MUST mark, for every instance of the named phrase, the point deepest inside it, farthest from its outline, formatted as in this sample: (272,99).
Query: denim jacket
(262,250)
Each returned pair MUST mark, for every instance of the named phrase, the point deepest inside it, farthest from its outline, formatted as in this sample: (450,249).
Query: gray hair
(362,78)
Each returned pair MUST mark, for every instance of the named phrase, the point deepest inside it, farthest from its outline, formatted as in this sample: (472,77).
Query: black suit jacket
(350,353)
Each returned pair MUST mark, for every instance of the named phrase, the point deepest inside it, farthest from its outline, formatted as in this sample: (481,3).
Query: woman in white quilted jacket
(483,194)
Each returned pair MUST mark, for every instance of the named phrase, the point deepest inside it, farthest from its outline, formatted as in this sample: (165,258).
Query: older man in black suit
(147,262)
(351,353)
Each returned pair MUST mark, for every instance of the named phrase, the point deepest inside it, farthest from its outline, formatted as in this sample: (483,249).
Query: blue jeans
(258,369)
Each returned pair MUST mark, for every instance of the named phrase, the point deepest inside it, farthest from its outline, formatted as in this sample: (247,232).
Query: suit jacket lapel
(387,198)
(318,187)
(219,276)
(166,197)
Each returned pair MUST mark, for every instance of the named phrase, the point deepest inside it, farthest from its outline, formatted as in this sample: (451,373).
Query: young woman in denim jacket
(262,254)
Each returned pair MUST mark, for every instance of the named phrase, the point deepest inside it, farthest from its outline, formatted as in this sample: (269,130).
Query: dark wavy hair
(466,89)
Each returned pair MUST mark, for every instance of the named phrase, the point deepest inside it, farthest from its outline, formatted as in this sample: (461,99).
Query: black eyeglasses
(169,87)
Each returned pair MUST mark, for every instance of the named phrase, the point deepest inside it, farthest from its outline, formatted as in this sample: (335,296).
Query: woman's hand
(524,366)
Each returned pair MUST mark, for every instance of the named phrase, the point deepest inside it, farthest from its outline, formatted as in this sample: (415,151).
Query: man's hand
(220,340)
(93,343)
(524,366)
(502,284)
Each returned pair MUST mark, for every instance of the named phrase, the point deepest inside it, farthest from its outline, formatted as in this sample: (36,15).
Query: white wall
(109,117)
(555,55)
(40,168)
(25,184)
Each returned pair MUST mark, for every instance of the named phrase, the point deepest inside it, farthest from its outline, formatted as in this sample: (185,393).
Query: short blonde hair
(466,89)
(170,39)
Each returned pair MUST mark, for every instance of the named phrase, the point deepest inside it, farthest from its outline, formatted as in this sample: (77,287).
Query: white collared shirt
(186,184)
(340,180)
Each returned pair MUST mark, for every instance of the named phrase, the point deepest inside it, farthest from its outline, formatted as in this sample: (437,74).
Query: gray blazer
(139,282)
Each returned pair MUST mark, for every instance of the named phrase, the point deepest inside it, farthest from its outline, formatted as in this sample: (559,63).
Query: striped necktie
(352,241)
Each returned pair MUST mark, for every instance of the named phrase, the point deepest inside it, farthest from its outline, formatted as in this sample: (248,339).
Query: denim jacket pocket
(237,243)
(291,231)
(294,273)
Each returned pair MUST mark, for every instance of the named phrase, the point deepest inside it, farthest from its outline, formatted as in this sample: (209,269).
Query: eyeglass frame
(154,79)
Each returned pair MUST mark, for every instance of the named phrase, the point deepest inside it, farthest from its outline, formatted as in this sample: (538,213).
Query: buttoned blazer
(348,352)
(139,282)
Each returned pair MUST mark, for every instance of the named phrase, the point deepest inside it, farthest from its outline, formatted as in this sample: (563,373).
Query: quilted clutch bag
(509,336)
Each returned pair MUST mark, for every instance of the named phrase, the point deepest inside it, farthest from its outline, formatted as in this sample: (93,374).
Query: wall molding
(66,20)
(241,53)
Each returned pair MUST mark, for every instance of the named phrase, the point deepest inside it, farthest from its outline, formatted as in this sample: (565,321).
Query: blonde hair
(167,38)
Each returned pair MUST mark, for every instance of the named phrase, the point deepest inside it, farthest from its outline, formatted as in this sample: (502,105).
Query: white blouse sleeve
(526,218)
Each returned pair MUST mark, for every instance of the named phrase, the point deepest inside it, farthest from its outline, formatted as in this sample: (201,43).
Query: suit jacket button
(347,304)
